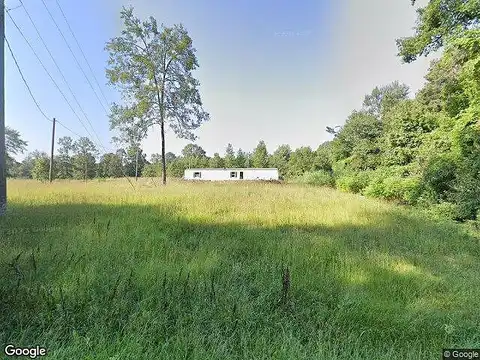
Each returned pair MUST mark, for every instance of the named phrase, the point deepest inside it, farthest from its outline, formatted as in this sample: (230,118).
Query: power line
(40,109)
(36,102)
(74,56)
(48,73)
(31,93)
(83,54)
(23,78)
(59,70)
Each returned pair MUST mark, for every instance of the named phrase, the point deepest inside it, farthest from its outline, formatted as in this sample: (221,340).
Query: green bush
(152,170)
(439,175)
(404,189)
(467,195)
(319,178)
(354,182)
(444,211)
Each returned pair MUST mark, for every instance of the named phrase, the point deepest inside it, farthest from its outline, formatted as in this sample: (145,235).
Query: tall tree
(280,159)
(84,159)
(194,156)
(358,138)
(41,168)
(193,150)
(157,158)
(301,160)
(24,169)
(260,155)
(132,124)
(384,98)
(436,22)
(229,160)
(135,161)
(216,161)
(323,157)
(110,165)
(152,66)
(64,164)
(14,145)
(241,159)
(177,167)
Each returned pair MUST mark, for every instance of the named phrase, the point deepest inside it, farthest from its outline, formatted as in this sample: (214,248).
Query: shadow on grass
(143,282)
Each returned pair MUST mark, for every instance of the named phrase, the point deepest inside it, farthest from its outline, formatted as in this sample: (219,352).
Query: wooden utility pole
(3,170)
(50,174)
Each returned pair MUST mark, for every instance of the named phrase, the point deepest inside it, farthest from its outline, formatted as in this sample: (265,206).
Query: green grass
(195,271)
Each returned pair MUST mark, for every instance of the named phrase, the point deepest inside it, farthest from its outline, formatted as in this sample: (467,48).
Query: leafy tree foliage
(382,99)
(229,157)
(41,168)
(324,158)
(64,160)
(110,165)
(436,23)
(152,66)
(241,160)
(216,161)
(358,141)
(260,155)
(280,159)
(301,161)
(14,145)
(193,150)
(84,163)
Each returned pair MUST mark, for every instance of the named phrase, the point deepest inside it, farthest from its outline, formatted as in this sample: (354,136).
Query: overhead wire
(74,56)
(39,107)
(48,73)
(81,50)
(31,93)
(59,70)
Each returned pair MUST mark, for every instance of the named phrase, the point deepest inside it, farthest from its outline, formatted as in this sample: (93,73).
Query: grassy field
(231,271)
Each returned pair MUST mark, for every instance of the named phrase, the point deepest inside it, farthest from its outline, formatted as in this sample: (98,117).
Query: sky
(272,70)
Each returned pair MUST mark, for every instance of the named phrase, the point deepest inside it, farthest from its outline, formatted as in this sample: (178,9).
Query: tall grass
(230,271)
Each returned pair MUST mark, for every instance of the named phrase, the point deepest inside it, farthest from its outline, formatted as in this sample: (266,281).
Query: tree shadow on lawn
(84,274)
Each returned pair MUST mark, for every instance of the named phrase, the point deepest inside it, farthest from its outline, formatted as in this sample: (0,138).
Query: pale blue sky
(275,70)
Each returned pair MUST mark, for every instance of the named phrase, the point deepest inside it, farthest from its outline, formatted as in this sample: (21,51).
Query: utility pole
(50,174)
(3,170)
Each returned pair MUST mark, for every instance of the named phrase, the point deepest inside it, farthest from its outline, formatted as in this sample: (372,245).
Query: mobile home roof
(236,169)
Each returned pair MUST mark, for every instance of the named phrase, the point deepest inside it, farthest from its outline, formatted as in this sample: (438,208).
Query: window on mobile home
(233,174)
(197,175)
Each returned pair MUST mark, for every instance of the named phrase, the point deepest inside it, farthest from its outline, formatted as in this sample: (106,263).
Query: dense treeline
(420,150)
(423,150)
(80,160)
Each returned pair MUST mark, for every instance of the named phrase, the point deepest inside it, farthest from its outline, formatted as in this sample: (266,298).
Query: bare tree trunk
(160,100)
(164,164)
(136,165)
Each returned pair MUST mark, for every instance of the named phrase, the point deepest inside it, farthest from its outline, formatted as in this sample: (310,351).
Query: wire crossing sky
(278,71)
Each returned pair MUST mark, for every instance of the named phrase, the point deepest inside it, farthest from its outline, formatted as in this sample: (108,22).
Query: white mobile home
(231,174)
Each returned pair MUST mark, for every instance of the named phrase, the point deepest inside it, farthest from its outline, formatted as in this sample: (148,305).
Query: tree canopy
(152,66)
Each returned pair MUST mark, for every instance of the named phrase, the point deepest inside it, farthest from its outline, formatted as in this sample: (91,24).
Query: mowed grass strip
(230,271)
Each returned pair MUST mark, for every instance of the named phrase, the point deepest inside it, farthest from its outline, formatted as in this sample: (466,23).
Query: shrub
(467,195)
(404,189)
(152,170)
(319,178)
(354,182)
(439,175)
(444,211)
